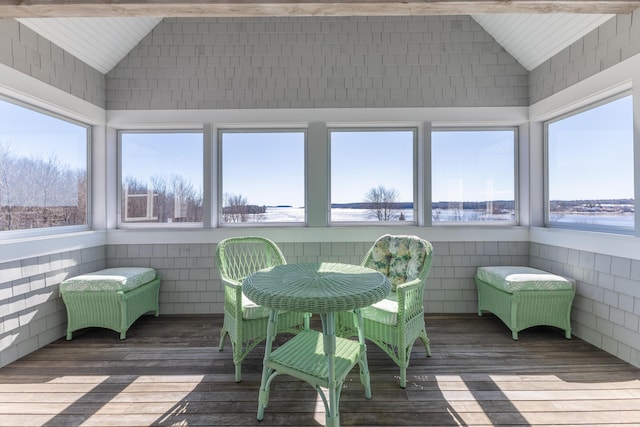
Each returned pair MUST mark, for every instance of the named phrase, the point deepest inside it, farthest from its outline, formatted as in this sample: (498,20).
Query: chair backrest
(238,257)
(401,258)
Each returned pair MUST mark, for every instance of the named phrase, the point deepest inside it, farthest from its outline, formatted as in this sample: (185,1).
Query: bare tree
(136,196)
(235,208)
(38,192)
(50,175)
(187,202)
(6,199)
(161,200)
(382,202)
(162,205)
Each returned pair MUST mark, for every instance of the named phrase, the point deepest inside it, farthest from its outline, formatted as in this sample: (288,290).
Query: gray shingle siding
(351,62)
(26,51)
(609,44)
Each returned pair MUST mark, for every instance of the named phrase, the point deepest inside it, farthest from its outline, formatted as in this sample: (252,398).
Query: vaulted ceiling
(99,42)
(101,33)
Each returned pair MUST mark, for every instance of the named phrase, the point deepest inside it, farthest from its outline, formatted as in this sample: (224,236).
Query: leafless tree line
(163,199)
(36,193)
(237,209)
(380,201)
(40,192)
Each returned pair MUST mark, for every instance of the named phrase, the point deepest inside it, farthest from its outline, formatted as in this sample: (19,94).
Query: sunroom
(144,134)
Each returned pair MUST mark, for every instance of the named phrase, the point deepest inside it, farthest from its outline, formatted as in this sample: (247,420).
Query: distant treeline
(246,209)
(496,204)
(369,205)
(592,202)
(502,204)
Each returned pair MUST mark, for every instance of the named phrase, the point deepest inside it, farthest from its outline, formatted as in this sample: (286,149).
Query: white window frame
(64,229)
(220,167)
(414,163)
(516,186)
(546,208)
(133,224)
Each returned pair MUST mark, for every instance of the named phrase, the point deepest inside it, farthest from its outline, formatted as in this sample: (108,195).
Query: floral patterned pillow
(400,258)
(380,256)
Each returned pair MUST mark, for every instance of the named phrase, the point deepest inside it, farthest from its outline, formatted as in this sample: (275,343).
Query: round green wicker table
(321,359)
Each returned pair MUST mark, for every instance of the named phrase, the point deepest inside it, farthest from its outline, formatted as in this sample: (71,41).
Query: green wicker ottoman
(523,297)
(113,298)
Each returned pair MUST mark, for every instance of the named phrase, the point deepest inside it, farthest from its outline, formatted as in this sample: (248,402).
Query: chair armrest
(409,286)
(233,296)
(407,292)
(232,283)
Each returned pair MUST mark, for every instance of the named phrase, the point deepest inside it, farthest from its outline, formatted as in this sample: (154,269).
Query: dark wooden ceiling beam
(243,8)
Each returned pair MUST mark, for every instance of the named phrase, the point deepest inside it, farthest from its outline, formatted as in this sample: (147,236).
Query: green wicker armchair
(244,321)
(396,322)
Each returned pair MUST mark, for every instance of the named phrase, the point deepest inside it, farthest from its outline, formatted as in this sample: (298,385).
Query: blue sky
(472,165)
(576,174)
(27,133)
(361,161)
(265,167)
(164,155)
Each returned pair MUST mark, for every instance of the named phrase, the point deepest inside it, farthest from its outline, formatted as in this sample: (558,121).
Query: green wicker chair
(396,322)
(244,321)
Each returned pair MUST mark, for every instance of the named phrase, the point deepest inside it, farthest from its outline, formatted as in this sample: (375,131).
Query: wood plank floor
(169,372)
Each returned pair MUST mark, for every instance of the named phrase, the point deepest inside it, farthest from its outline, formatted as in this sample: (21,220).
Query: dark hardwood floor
(169,372)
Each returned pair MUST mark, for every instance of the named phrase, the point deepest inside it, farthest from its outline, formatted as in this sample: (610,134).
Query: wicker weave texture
(115,310)
(237,258)
(320,358)
(524,309)
(397,339)
(317,288)
(307,350)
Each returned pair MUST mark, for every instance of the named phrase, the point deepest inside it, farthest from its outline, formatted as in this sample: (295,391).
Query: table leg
(365,378)
(263,398)
(329,342)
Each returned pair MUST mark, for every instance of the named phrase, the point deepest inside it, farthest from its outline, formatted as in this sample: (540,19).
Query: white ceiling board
(532,39)
(99,42)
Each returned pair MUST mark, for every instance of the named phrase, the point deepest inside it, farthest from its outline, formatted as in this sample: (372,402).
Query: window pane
(43,170)
(262,177)
(372,175)
(162,177)
(473,176)
(590,167)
